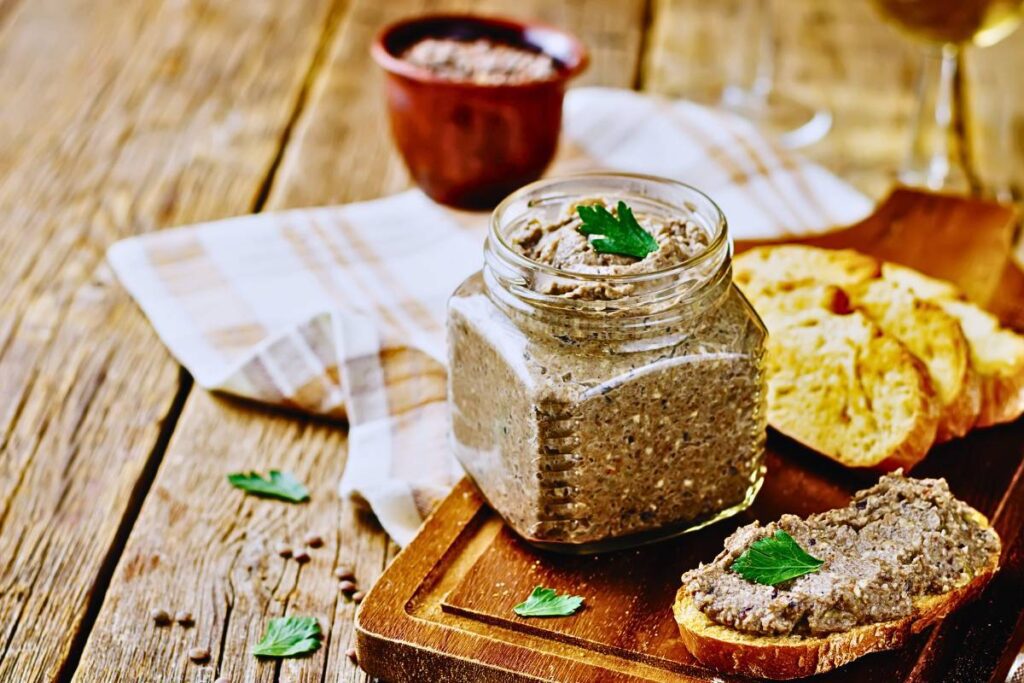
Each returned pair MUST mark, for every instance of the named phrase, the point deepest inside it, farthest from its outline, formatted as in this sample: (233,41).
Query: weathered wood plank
(211,544)
(118,118)
(202,546)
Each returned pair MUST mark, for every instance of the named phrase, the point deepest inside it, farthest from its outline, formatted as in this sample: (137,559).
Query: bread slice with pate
(900,557)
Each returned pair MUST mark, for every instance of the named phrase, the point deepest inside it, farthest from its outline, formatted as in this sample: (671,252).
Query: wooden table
(123,117)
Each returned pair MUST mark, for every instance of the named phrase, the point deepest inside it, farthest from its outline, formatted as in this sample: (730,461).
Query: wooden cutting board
(443,610)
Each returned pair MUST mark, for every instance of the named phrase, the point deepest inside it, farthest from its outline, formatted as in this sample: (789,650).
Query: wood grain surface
(124,117)
(118,118)
(222,553)
(452,592)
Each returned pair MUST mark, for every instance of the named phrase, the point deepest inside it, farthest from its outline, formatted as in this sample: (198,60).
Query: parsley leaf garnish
(546,602)
(775,559)
(281,485)
(621,235)
(288,637)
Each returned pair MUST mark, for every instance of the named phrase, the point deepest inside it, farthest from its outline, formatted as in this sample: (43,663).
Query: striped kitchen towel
(340,311)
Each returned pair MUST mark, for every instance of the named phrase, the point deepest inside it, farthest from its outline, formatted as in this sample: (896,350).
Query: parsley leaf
(288,637)
(545,602)
(775,559)
(281,485)
(621,235)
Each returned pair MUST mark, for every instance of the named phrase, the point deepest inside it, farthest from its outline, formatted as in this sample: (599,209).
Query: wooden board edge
(892,207)
(397,660)
(395,642)
(463,504)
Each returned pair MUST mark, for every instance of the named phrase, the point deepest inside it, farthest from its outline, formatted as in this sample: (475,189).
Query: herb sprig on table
(289,637)
(619,234)
(280,485)
(775,559)
(546,602)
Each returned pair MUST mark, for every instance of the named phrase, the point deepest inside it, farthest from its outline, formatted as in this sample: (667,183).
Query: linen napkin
(340,311)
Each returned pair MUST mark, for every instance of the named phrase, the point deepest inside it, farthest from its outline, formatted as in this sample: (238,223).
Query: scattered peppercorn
(345,573)
(284,550)
(301,557)
(160,617)
(358,596)
(347,586)
(313,540)
(184,618)
(199,654)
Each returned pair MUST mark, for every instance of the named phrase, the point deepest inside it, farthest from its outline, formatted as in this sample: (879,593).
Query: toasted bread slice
(773,299)
(761,266)
(839,385)
(927,331)
(991,389)
(997,354)
(935,337)
(783,657)
(920,284)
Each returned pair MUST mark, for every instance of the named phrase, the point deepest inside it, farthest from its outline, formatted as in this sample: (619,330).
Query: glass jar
(592,424)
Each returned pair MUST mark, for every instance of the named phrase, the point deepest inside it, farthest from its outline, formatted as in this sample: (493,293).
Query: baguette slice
(920,284)
(783,657)
(842,387)
(935,337)
(997,353)
(777,300)
(894,304)
(797,264)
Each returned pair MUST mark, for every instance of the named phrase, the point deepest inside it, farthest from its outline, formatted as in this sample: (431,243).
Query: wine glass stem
(935,159)
(764,74)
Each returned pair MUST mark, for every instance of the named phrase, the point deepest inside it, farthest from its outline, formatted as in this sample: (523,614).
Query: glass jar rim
(718,238)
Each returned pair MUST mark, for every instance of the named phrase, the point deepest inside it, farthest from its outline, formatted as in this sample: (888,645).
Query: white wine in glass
(935,159)
(981,22)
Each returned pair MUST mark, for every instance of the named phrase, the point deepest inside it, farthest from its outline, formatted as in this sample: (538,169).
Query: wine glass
(789,120)
(936,158)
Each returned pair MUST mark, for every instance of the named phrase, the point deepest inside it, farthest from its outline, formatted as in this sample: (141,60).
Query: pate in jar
(607,386)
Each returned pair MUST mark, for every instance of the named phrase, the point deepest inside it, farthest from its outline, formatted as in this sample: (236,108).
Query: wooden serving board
(443,610)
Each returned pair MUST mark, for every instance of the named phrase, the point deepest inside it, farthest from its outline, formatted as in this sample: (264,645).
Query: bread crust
(727,650)
(920,439)
(962,414)
(1002,399)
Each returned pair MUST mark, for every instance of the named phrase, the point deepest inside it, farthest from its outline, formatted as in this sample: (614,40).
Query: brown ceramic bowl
(469,144)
